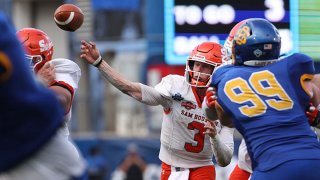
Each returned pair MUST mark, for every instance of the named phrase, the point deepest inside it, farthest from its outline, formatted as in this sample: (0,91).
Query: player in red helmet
(61,76)
(188,139)
(39,50)
(38,46)
(208,54)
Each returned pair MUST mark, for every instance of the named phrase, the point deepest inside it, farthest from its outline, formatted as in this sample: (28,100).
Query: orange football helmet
(228,43)
(37,45)
(209,53)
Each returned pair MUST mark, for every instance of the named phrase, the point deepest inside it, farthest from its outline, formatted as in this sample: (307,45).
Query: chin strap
(198,83)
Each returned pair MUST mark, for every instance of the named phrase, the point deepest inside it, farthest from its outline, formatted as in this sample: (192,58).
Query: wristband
(97,62)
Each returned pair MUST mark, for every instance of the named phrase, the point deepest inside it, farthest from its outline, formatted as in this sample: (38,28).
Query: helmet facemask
(34,60)
(207,55)
(195,78)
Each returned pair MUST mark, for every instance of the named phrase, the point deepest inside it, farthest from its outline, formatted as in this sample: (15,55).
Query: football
(68,17)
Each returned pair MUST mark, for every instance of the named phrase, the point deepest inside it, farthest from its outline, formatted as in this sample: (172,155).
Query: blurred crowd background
(145,40)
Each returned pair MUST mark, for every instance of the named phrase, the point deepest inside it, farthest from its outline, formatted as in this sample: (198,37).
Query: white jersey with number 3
(183,143)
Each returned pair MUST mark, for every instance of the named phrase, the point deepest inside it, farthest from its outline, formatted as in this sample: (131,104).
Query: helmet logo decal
(43,46)
(257,52)
(242,34)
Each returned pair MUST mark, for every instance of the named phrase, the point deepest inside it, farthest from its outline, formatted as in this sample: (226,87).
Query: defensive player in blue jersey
(265,98)
(31,115)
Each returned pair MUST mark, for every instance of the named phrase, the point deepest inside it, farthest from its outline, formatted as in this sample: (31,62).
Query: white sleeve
(223,145)
(166,85)
(244,160)
(67,71)
(151,96)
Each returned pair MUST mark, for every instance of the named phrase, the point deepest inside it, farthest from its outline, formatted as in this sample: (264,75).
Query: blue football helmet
(256,43)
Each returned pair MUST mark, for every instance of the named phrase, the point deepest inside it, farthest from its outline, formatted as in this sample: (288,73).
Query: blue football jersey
(267,105)
(30,114)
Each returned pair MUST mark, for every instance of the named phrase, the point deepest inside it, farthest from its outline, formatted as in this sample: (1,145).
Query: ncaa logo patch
(177,97)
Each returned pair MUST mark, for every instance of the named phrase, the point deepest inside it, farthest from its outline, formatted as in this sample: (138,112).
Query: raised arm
(143,93)
(91,54)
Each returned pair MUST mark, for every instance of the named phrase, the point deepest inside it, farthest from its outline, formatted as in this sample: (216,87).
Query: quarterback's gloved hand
(313,115)
(211,97)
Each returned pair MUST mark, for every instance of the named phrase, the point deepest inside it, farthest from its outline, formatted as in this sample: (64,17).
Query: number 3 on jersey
(198,137)
(262,84)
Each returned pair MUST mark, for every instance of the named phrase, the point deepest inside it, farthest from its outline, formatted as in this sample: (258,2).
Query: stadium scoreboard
(190,22)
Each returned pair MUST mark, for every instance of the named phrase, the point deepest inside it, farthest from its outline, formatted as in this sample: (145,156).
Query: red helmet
(37,45)
(228,43)
(209,53)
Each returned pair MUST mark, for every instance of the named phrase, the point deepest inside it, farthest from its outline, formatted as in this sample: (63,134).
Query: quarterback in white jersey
(182,141)
(186,152)
(60,159)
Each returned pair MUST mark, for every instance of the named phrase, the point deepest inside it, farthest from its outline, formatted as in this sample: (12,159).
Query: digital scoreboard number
(190,22)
